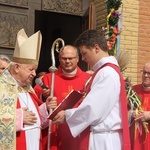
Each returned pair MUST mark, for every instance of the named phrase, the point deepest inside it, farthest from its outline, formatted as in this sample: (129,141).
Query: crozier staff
(69,76)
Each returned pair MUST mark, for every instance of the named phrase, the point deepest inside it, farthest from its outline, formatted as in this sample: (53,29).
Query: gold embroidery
(65,93)
(8,97)
(23,89)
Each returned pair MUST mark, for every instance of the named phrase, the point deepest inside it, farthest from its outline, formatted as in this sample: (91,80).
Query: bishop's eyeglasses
(145,73)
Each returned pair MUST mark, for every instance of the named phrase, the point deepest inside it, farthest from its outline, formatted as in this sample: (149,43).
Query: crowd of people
(99,121)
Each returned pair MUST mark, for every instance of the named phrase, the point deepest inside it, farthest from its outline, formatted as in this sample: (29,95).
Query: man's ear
(97,48)
(16,68)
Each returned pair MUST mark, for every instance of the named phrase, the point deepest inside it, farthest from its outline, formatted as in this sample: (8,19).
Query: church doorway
(52,26)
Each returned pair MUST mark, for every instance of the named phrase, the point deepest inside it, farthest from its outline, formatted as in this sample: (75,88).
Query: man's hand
(46,92)
(60,118)
(51,102)
(29,117)
(142,116)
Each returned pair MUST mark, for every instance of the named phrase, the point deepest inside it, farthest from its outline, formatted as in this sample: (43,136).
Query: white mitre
(27,49)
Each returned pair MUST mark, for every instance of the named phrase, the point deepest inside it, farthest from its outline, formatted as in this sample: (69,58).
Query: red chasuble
(61,137)
(141,139)
(20,136)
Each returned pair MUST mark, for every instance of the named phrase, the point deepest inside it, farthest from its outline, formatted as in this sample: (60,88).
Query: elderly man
(21,117)
(140,134)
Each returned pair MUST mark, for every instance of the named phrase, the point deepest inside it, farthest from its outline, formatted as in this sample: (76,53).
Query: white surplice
(32,132)
(100,110)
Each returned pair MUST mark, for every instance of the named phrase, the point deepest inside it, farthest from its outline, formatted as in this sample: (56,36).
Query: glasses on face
(68,58)
(145,73)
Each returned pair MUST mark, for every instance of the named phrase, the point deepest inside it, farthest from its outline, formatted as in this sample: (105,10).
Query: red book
(70,100)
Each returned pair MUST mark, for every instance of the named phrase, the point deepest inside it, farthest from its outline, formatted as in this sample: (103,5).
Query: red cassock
(140,140)
(20,136)
(61,137)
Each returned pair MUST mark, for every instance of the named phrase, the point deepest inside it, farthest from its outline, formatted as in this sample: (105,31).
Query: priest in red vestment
(68,76)
(21,117)
(140,129)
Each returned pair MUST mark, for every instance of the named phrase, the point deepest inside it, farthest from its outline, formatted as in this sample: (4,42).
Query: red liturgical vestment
(141,139)
(61,136)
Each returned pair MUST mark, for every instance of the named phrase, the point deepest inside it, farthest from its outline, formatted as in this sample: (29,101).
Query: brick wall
(129,36)
(101,13)
(130,32)
(144,35)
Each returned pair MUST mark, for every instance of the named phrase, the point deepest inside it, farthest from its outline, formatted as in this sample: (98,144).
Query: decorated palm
(133,101)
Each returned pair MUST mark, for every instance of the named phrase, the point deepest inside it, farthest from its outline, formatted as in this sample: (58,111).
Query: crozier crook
(53,69)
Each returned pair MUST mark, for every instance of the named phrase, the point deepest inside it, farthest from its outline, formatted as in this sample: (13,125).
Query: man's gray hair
(4,57)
